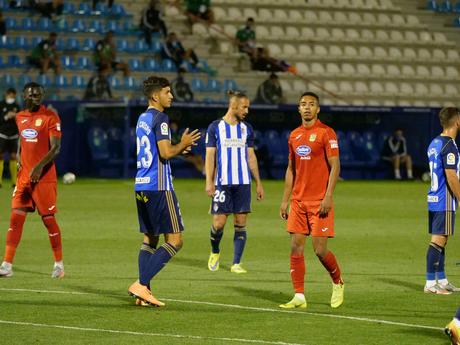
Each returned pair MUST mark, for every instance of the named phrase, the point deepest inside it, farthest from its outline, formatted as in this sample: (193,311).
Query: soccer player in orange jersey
(311,176)
(39,144)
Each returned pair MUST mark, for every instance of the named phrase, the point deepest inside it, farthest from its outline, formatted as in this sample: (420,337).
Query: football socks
(298,272)
(239,242)
(216,236)
(54,234)
(14,233)
(330,264)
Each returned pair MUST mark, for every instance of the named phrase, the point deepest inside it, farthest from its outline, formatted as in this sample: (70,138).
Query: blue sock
(216,236)
(457,316)
(440,272)
(144,255)
(239,241)
(155,262)
(432,260)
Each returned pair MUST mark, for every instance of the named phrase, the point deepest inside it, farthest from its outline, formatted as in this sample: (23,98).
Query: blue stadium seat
(357,146)
(61,25)
(150,65)
(432,5)
(23,80)
(2,63)
(78,25)
(69,8)
(117,10)
(21,42)
(197,85)
(83,62)
(88,44)
(113,25)
(214,86)
(456,7)
(115,82)
(122,45)
(44,80)
(84,8)
(78,82)
(139,46)
(445,6)
(11,23)
(168,65)
(67,62)
(35,41)
(230,84)
(156,46)
(61,81)
(60,44)
(135,65)
(101,9)
(129,83)
(27,24)
(9,43)
(98,143)
(44,24)
(7,80)
(72,44)
(96,25)
(14,61)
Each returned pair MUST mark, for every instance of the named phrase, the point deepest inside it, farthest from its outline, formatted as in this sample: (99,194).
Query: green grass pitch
(381,241)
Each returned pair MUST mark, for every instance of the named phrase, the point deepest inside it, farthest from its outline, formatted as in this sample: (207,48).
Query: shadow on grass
(21,270)
(402,283)
(429,334)
(197,263)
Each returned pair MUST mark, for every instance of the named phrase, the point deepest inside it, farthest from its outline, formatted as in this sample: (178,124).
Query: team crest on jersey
(312,137)
(451,159)
(38,122)
(164,128)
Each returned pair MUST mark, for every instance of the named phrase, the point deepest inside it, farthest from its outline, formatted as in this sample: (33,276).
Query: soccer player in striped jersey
(443,195)
(157,206)
(230,161)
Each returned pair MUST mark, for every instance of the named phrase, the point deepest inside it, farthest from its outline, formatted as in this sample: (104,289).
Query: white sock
(397,174)
(443,281)
(430,283)
(7,265)
(59,263)
(409,173)
(457,322)
(300,296)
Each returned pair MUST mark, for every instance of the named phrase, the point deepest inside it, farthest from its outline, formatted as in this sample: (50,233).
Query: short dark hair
(447,114)
(311,94)
(32,84)
(236,94)
(154,84)
(11,90)
(250,19)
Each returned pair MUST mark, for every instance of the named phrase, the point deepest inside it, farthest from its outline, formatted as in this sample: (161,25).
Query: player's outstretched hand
(260,192)
(325,206)
(190,138)
(210,189)
(283,210)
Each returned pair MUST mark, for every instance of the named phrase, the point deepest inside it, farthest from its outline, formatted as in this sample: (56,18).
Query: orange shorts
(41,195)
(304,218)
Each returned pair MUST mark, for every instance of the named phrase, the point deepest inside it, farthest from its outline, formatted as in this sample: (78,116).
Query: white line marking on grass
(166,335)
(236,306)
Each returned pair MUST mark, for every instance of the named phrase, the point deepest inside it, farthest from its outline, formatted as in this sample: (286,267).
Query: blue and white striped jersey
(442,154)
(231,143)
(153,172)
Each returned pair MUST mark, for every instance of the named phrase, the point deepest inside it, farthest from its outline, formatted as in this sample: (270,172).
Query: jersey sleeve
(54,128)
(250,137)
(211,135)
(331,144)
(449,155)
(161,127)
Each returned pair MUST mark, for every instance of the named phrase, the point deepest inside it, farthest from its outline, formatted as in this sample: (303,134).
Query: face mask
(10,100)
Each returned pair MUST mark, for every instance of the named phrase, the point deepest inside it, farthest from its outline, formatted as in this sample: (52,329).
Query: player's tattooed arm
(210,168)
(288,185)
(55,147)
(326,203)
(168,151)
(254,167)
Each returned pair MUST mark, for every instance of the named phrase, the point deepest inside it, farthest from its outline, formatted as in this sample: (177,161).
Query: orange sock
(54,234)
(13,236)
(330,263)
(298,272)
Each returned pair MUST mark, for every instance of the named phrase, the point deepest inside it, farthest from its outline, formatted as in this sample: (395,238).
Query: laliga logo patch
(29,133)
(164,128)
(451,159)
(303,150)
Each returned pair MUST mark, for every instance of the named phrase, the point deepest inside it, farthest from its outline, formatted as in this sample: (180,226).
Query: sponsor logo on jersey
(312,137)
(164,128)
(29,133)
(334,144)
(38,122)
(142,180)
(433,198)
(451,159)
(303,150)
(58,127)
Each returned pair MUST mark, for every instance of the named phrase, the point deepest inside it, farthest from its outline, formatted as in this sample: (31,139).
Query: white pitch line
(166,335)
(236,306)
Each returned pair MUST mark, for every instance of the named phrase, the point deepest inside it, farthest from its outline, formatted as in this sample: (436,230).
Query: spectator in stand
(51,9)
(246,38)
(98,87)
(151,21)
(105,55)
(262,61)
(44,56)
(174,50)
(190,157)
(270,91)
(199,10)
(2,28)
(395,151)
(180,88)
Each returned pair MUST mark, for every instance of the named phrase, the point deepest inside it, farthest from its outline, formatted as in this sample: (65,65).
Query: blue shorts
(441,222)
(158,212)
(231,199)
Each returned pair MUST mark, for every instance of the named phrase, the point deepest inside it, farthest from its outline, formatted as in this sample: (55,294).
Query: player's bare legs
(407,160)
(297,272)
(13,237)
(436,280)
(217,231)
(239,241)
(396,160)
(54,234)
(329,262)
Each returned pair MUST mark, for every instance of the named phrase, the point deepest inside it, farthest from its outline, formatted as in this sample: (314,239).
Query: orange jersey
(35,131)
(309,150)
